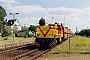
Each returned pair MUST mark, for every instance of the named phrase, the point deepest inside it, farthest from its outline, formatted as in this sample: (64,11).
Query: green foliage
(2,13)
(6,32)
(84,32)
(2,24)
(2,21)
(32,28)
(24,28)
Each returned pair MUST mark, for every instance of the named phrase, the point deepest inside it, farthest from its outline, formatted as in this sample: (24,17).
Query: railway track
(22,52)
(30,55)
(25,53)
(14,46)
(15,52)
(22,55)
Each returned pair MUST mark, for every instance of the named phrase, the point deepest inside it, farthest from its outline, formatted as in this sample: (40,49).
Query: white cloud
(35,8)
(9,1)
(24,8)
(72,15)
(29,21)
(66,11)
(87,10)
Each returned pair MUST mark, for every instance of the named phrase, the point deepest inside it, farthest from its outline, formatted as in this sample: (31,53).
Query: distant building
(13,25)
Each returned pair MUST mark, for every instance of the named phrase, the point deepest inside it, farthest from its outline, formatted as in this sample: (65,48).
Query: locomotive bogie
(46,42)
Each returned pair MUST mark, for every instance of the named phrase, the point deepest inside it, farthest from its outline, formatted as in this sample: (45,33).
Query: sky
(72,13)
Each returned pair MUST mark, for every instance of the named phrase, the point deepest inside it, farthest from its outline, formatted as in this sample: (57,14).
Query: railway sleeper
(39,55)
(21,55)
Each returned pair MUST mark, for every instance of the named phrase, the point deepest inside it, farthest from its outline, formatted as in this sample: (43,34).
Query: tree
(2,21)
(84,32)
(32,28)
(6,32)
(2,13)
(24,28)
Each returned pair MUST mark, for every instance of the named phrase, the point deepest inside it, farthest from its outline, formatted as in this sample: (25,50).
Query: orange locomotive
(51,34)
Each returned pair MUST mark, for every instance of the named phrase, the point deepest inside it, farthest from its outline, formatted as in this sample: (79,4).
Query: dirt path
(66,57)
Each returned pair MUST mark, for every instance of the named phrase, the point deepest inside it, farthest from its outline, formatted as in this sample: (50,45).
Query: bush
(6,32)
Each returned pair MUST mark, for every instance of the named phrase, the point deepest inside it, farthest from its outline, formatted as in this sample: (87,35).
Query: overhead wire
(47,9)
(43,6)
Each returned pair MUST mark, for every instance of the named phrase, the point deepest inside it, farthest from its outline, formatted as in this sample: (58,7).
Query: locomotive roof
(54,24)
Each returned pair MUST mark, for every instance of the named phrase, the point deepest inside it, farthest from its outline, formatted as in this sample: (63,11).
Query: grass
(16,40)
(78,45)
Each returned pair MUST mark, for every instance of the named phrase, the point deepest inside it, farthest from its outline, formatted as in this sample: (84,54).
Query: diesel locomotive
(51,34)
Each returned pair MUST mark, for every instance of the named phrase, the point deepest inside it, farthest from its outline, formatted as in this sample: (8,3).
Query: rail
(11,46)
(38,55)
(24,54)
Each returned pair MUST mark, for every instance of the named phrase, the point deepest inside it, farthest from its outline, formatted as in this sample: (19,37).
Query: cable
(47,9)
(43,6)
